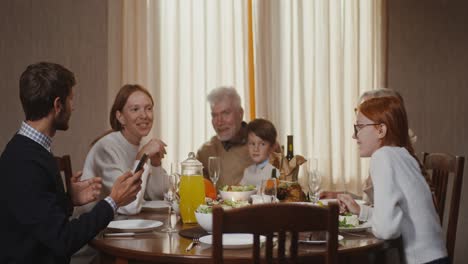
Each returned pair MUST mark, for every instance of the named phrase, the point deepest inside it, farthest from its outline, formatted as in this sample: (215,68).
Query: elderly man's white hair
(224,93)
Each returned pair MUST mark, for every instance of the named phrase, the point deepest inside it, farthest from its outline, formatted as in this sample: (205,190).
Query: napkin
(288,169)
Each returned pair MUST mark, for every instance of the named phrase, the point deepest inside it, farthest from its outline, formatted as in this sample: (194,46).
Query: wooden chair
(444,168)
(283,218)
(64,165)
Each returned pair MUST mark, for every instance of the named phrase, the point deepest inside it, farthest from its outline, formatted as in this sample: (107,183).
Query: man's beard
(61,121)
(226,136)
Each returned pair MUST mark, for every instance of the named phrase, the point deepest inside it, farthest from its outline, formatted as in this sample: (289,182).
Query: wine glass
(268,190)
(214,169)
(314,181)
(170,183)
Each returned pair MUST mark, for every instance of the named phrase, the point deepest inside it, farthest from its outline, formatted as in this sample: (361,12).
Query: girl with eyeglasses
(403,203)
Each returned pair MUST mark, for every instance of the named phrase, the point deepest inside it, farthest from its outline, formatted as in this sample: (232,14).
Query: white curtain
(180,50)
(313,59)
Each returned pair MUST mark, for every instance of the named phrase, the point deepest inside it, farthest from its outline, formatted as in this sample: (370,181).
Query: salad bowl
(237,193)
(204,212)
(205,220)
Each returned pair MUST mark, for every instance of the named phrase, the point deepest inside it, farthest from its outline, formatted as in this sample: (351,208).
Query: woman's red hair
(391,112)
(118,105)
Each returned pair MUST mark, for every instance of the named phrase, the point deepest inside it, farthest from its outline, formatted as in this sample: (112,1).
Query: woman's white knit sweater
(113,155)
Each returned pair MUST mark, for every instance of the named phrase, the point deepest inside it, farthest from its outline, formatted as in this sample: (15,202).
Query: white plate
(155,204)
(326,201)
(233,241)
(340,237)
(362,227)
(134,225)
(302,203)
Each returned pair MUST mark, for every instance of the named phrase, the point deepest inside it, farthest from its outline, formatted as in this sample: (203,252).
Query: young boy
(261,143)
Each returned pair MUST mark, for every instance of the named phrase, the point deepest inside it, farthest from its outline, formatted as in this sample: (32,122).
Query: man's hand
(83,192)
(126,187)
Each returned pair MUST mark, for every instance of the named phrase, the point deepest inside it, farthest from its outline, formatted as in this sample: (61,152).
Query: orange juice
(192,194)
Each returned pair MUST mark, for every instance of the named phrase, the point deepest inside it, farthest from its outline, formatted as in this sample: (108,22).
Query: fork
(194,242)
(352,234)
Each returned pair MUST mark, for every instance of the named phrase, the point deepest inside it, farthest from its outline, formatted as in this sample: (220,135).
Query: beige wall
(72,33)
(428,64)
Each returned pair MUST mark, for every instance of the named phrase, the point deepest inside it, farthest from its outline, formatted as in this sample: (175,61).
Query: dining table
(156,246)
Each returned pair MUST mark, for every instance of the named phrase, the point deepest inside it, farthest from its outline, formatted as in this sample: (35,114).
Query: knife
(126,234)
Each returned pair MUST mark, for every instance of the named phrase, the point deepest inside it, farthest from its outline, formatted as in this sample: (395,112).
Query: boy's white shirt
(255,174)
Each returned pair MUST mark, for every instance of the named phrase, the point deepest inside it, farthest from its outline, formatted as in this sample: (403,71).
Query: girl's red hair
(391,112)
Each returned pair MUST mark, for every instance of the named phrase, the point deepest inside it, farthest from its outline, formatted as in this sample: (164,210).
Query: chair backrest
(64,165)
(441,167)
(283,218)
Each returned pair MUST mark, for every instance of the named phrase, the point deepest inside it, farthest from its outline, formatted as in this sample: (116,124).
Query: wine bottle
(281,193)
(290,150)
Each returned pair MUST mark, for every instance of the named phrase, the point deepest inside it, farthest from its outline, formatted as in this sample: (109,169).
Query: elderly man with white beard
(230,141)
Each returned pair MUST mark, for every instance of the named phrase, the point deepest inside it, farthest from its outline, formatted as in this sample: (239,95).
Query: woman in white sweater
(119,150)
(402,200)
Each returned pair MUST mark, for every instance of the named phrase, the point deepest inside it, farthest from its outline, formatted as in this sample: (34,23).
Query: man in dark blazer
(35,209)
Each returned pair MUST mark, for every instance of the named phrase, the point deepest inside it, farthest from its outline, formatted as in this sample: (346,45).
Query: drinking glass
(268,190)
(214,169)
(175,170)
(170,185)
(314,180)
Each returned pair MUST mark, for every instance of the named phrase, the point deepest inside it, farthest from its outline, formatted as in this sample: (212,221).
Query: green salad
(208,208)
(205,209)
(234,204)
(237,188)
(348,220)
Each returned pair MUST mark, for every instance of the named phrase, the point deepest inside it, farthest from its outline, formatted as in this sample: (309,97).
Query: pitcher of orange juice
(191,188)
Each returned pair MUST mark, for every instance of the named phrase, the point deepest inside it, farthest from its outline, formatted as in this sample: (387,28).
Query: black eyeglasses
(358,127)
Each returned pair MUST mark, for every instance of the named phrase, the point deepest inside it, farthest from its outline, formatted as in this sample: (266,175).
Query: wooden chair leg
(121,261)
(108,259)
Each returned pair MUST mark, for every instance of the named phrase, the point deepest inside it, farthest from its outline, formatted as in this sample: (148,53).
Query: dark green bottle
(290,148)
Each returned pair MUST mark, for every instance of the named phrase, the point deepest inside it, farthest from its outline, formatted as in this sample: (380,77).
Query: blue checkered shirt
(30,132)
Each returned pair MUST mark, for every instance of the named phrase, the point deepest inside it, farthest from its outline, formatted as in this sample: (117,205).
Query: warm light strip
(251,62)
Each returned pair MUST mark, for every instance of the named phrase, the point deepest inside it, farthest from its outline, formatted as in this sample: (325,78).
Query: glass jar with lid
(191,189)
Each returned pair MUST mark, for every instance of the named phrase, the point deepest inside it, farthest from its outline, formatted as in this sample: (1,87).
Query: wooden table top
(159,247)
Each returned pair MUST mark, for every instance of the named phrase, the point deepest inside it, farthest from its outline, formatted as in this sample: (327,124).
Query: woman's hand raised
(155,149)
